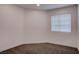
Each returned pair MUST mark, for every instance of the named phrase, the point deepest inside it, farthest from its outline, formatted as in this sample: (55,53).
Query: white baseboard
(8,47)
(63,44)
(14,45)
(32,42)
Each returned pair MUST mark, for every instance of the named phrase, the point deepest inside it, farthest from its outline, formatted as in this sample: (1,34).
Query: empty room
(39,29)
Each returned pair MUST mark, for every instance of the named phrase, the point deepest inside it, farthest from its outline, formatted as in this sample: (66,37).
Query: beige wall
(36,26)
(19,26)
(69,39)
(11,26)
(38,29)
(78,28)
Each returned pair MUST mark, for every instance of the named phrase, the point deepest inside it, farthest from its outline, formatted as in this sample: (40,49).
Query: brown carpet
(41,48)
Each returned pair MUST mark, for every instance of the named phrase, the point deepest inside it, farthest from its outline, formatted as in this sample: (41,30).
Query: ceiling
(43,6)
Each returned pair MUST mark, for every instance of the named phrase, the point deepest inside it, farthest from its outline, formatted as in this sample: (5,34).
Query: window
(61,23)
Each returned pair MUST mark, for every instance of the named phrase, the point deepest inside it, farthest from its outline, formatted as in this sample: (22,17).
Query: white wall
(11,26)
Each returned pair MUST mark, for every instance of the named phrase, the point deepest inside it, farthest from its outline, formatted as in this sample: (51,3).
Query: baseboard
(10,47)
(45,48)
(63,44)
(30,42)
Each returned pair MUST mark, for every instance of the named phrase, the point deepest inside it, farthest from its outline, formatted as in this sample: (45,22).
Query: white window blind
(61,23)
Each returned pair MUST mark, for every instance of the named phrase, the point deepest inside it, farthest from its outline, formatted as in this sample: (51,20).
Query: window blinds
(61,23)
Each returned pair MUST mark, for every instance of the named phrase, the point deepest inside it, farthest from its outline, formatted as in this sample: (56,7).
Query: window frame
(53,26)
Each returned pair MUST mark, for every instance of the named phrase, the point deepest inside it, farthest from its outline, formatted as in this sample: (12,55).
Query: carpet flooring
(41,48)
